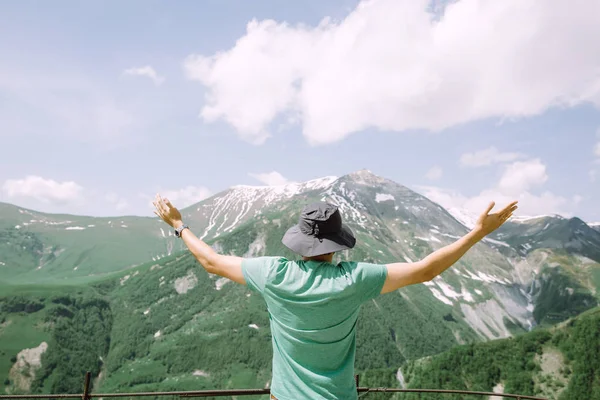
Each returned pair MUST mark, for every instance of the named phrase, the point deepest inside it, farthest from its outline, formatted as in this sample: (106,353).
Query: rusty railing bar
(248,392)
(449,391)
(86,395)
(86,386)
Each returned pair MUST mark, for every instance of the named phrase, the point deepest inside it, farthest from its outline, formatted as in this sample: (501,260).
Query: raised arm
(403,274)
(226,266)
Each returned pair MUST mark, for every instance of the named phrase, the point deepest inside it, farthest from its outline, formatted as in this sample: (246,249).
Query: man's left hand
(166,211)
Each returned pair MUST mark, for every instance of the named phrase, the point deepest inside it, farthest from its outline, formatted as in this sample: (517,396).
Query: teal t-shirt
(313,308)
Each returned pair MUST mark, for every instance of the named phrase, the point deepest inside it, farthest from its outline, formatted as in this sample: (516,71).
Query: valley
(122,298)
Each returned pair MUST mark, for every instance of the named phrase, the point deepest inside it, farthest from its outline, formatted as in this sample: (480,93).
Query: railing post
(86,386)
(356,379)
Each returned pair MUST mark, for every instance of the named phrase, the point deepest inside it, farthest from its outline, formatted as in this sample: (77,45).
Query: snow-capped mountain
(496,287)
(466,217)
(227,210)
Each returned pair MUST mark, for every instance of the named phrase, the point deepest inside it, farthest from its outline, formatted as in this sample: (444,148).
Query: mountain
(227,210)
(162,322)
(551,232)
(559,363)
(497,286)
(464,216)
(594,225)
(40,247)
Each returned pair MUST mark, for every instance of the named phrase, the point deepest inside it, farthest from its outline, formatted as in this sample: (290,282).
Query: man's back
(313,308)
(314,304)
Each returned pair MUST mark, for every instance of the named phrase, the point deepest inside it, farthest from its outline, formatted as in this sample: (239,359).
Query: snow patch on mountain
(465,217)
(497,242)
(431,238)
(440,296)
(347,209)
(241,202)
(446,293)
(450,236)
(528,218)
(379,197)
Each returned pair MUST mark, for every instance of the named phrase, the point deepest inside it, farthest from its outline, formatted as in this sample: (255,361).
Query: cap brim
(309,246)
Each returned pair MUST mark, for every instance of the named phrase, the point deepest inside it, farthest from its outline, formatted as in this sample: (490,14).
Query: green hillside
(117,297)
(559,363)
(41,248)
(172,326)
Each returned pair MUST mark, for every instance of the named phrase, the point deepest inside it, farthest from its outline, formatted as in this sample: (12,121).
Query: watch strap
(180,229)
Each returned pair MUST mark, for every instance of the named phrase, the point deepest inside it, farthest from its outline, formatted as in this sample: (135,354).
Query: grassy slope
(45,251)
(516,363)
(208,330)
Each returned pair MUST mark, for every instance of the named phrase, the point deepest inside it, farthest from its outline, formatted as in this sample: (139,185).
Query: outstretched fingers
(509,209)
(160,207)
(168,203)
(507,212)
(490,206)
(160,204)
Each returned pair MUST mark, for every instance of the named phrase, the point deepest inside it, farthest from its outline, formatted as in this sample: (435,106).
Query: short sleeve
(256,271)
(368,279)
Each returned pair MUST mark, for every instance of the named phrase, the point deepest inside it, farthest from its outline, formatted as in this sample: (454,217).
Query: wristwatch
(180,229)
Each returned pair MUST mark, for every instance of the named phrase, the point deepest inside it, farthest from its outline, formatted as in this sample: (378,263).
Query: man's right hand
(488,223)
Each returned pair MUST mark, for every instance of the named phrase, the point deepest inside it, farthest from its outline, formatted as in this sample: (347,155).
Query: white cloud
(47,191)
(521,176)
(146,71)
(272,178)
(186,196)
(434,173)
(488,156)
(447,198)
(597,150)
(518,182)
(391,66)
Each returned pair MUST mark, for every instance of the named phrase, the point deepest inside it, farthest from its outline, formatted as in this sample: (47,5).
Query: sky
(103,104)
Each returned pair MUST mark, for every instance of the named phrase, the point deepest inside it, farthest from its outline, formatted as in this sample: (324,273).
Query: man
(313,304)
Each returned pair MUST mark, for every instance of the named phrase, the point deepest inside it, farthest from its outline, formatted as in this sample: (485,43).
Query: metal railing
(87,395)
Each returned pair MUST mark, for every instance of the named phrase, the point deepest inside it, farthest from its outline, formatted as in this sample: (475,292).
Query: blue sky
(104,103)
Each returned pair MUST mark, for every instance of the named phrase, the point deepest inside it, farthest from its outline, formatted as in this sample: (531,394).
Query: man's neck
(324,258)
